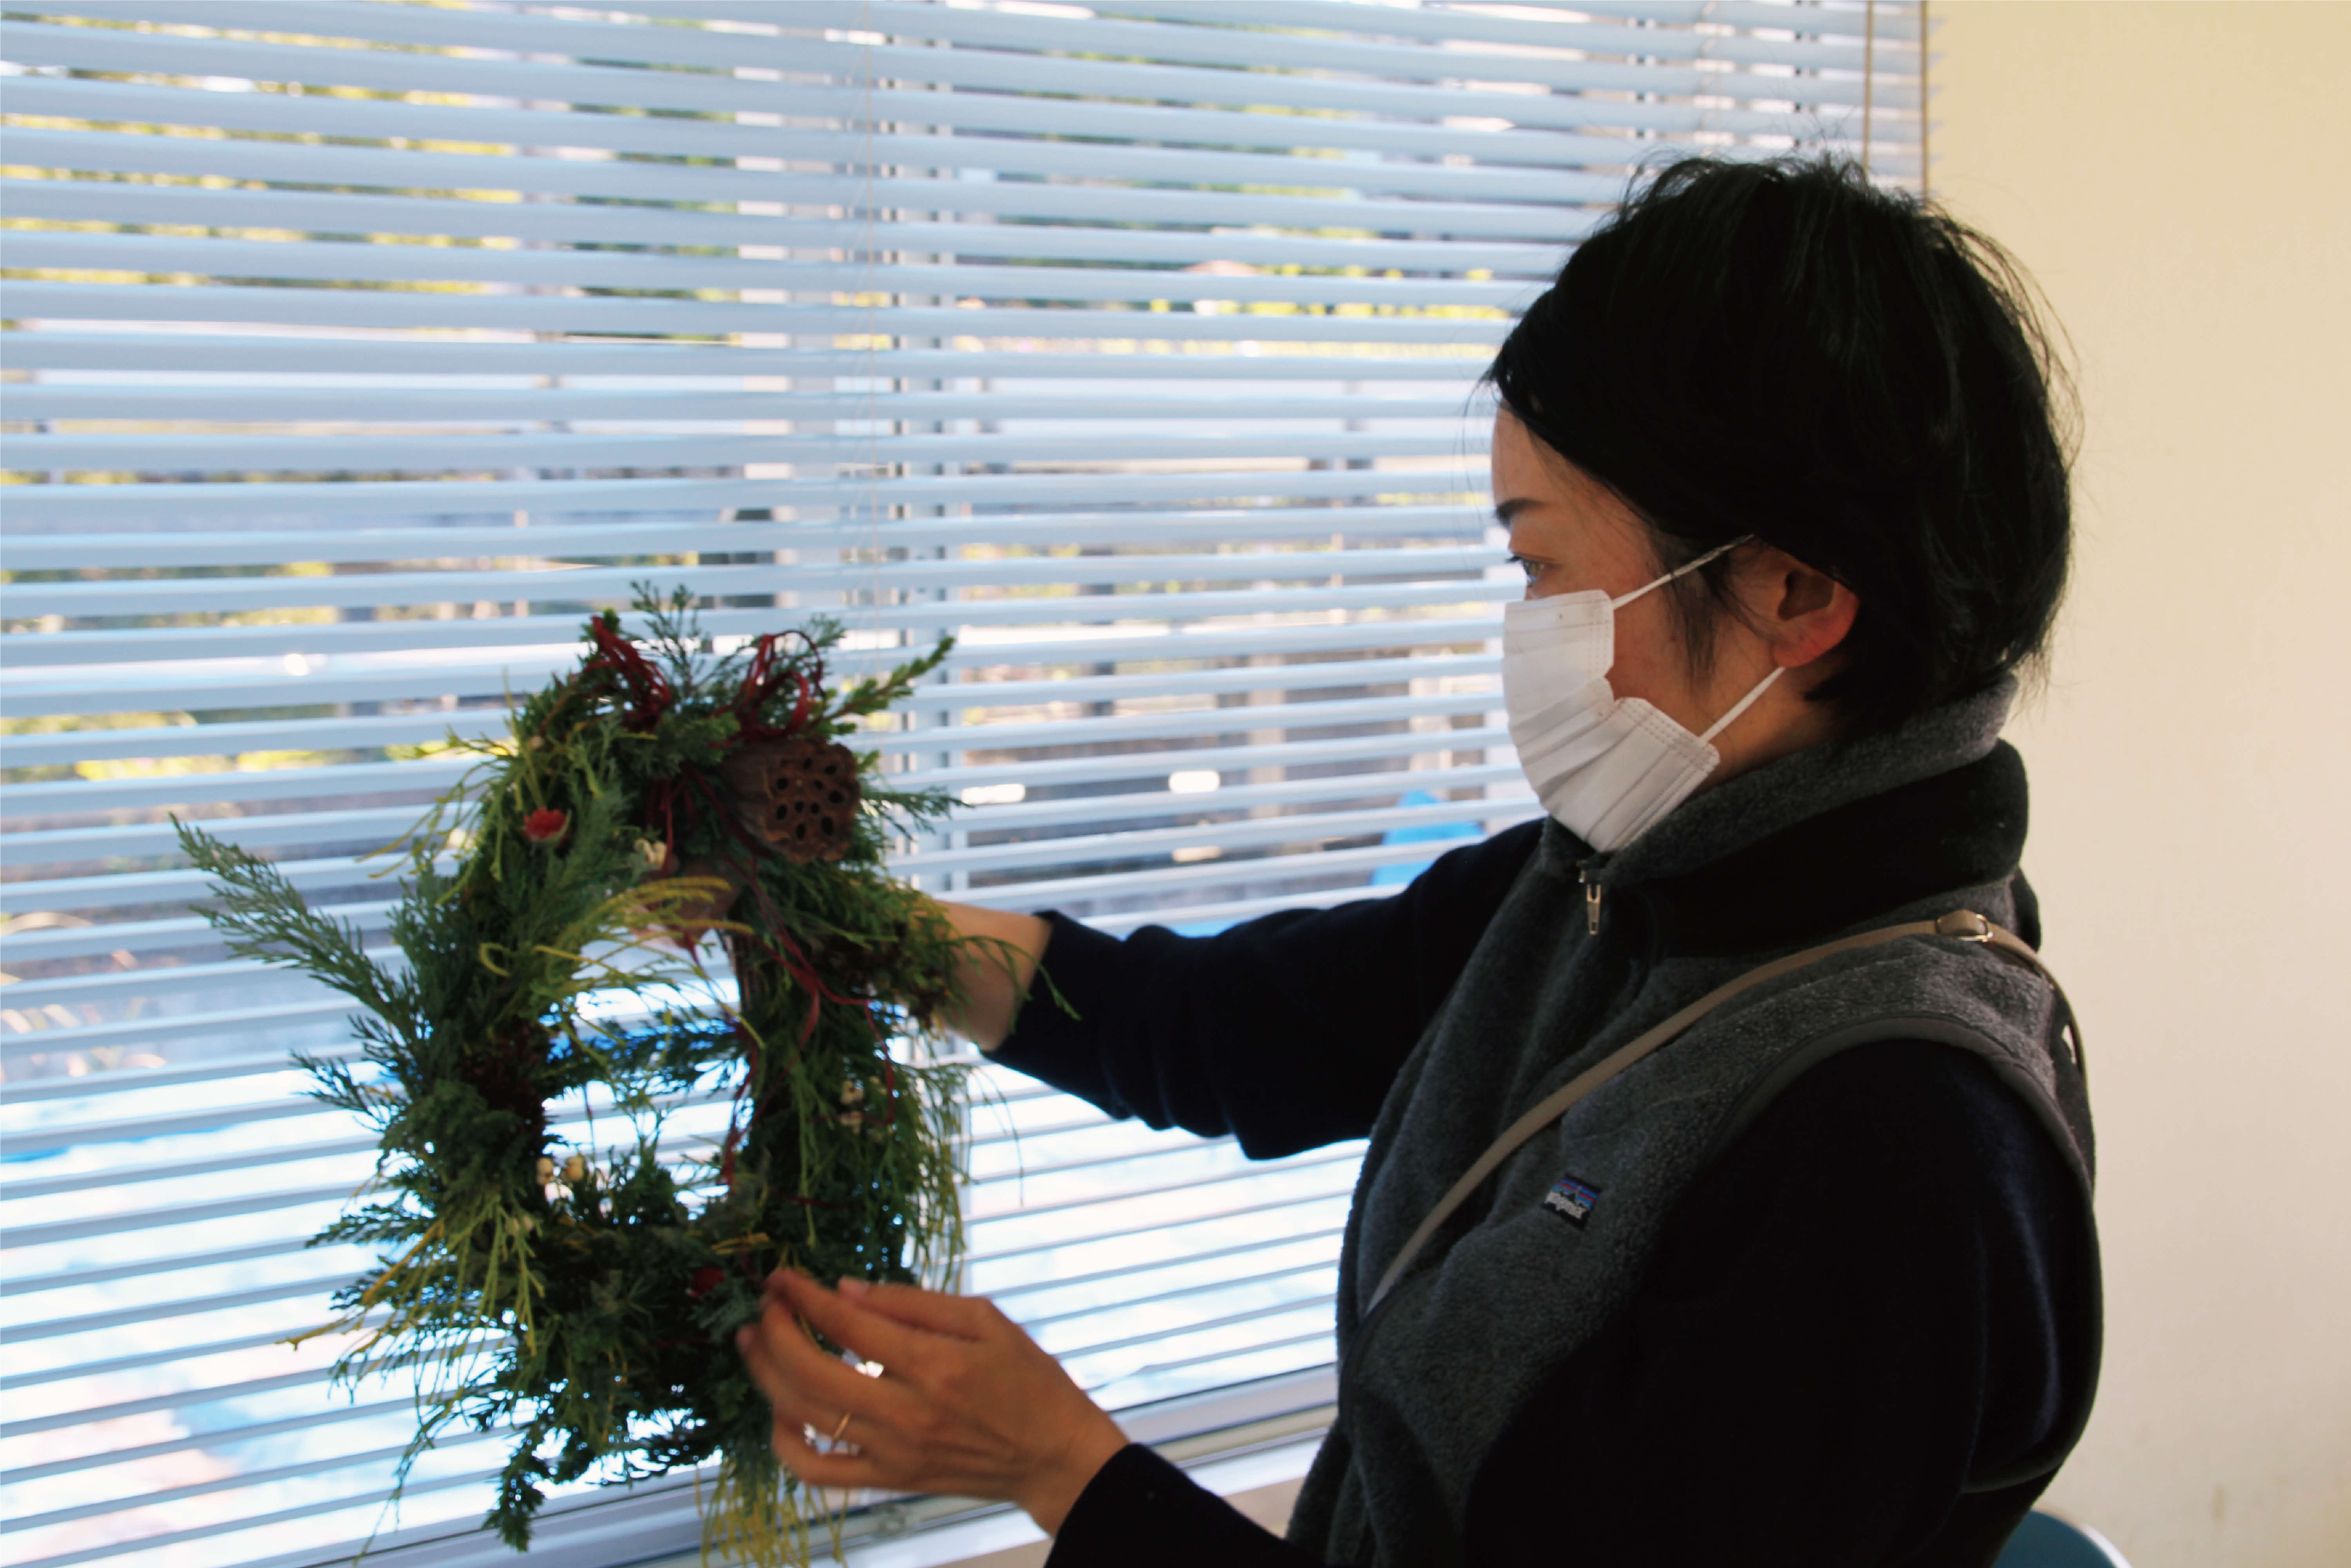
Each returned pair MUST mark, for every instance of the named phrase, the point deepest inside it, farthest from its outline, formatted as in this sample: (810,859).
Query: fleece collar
(1820,841)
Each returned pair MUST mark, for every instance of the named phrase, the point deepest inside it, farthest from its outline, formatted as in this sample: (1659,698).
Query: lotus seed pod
(801,794)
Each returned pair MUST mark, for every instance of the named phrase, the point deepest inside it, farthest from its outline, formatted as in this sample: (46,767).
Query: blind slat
(83,151)
(255,547)
(270,1476)
(732,170)
(79,505)
(330,213)
(297,830)
(1146,772)
(1403,67)
(950,111)
(413,1488)
(379,310)
(235,687)
(332,734)
(122,1364)
(612,450)
(1150,768)
(343,261)
(1565,27)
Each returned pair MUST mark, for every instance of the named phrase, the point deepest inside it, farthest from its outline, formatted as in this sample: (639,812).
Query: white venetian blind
(357,349)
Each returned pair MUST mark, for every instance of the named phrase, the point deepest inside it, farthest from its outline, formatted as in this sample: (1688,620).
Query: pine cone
(800,794)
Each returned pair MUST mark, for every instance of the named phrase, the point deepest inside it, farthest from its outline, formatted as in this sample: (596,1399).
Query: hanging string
(1925,110)
(1868,77)
(870,297)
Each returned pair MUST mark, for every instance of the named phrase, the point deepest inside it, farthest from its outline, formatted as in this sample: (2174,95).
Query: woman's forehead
(1537,490)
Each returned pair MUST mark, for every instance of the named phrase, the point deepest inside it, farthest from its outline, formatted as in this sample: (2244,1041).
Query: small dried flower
(546,825)
(653,853)
(535,743)
(575,1171)
(852,1092)
(546,1170)
(853,1120)
(704,1280)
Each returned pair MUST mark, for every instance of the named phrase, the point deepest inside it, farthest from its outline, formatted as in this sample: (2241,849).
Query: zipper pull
(1592,894)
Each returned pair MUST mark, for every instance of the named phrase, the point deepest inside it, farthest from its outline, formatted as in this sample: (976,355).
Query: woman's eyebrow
(1505,510)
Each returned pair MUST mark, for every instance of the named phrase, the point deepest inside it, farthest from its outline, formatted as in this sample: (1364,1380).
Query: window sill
(1239,1439)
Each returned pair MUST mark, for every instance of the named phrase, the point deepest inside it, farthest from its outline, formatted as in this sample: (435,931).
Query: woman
(1814,1283)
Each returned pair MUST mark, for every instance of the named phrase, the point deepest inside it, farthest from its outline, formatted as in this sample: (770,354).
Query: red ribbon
(761,682)
(650,693)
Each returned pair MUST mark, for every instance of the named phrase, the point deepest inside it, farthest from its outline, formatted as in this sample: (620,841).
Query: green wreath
(589,1295)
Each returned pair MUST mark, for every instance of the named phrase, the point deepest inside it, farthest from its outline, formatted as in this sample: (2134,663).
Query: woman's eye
(1533,569)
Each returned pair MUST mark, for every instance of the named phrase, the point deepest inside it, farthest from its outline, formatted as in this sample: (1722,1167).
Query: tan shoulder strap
(1965,925)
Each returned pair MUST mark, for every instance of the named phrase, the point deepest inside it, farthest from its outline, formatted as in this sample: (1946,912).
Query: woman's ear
(1804,612)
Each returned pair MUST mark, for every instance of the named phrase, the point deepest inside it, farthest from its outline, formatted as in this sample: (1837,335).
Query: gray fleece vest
(1559,1237)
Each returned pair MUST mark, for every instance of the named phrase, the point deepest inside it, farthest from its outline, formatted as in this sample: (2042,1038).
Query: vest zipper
(1592,894)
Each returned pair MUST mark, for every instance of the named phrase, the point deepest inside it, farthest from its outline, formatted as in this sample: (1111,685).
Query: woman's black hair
(1781,349)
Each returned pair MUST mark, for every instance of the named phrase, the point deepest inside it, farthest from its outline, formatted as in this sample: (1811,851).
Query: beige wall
(2174,175)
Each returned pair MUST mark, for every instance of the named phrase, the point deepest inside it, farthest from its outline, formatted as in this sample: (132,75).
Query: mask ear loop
(1679,571)
(1742,705)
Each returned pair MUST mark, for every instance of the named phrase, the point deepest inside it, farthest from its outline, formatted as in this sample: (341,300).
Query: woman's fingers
(791,1403)
(799,1376)
(800,1418)
(969,1404)
(816,1467)
(873,1337)
(965,1317)
(760,1359)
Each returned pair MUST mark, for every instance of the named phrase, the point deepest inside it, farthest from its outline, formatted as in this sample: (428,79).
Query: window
(350,367)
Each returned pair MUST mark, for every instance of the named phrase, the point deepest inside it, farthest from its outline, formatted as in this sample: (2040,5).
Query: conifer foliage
(586,1292)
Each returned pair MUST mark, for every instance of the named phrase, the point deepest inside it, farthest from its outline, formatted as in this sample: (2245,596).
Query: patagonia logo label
(1572,1199)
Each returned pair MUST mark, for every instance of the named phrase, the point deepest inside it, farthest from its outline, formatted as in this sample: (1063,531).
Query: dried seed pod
(800,795)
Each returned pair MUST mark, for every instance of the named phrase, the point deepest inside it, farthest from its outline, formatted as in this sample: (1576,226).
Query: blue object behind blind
(2045,1541)
(1397,875)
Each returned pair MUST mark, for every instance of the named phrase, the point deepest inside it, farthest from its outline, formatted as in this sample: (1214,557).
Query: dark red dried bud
(546,826)
(704,1280)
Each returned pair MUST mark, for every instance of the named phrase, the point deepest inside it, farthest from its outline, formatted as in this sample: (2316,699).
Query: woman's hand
(966,1403)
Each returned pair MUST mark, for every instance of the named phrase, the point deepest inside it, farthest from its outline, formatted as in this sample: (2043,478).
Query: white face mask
(1606,768)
